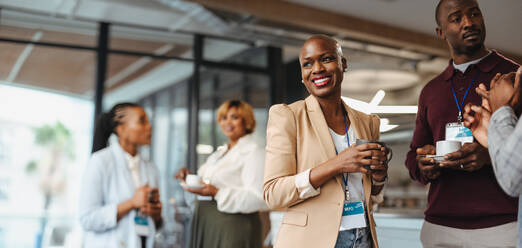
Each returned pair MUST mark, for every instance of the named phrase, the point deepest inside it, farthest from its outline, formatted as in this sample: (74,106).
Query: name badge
(353,208)
(353,216)
(141,225)
(457,131)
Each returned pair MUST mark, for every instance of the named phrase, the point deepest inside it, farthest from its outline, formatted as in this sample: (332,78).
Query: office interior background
(65,61)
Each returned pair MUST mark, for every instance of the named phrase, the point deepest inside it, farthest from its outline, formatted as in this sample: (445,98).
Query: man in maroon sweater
(466,206)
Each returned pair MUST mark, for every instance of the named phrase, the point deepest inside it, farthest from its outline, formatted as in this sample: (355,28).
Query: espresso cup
(192,180)
(390,152)
(444,147)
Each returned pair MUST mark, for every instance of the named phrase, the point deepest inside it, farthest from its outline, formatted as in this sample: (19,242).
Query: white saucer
(438,158)
(185,186)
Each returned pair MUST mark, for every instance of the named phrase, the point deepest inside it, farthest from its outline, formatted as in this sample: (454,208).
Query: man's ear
(440,34)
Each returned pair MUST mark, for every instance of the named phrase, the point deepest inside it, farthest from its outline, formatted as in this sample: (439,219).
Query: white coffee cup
(192,180)
(447,146)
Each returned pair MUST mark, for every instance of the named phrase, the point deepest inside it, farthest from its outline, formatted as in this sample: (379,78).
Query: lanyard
(459,106)
(345,177)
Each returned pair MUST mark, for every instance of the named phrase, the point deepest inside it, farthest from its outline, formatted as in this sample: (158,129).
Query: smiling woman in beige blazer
(309,173)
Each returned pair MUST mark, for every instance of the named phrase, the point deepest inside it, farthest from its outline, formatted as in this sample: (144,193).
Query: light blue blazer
(107,181)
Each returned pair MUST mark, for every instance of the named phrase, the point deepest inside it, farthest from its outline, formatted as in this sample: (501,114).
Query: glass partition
(218,86)
(46,127)
(45,140)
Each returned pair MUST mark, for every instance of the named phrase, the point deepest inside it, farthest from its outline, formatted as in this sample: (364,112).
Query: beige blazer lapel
(320,127)
(321,130)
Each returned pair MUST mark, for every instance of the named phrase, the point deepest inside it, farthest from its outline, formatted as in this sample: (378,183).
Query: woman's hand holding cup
(153,206)
(141,196)
(380,171)
(204,190)
(361,157)
(193,180)
(182,174)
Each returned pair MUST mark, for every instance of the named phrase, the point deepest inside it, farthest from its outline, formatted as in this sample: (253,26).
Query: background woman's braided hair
(107,123)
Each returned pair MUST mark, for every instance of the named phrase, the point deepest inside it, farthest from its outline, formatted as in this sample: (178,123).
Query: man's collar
(485,65)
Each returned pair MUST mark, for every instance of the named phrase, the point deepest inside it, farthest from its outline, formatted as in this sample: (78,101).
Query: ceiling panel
(71,70)
(146,68)
(60,69)
(16,32)
(9,52)
(68,38)
(134,45)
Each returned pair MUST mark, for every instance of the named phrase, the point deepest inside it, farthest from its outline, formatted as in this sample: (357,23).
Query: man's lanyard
(345,177)
(460,106)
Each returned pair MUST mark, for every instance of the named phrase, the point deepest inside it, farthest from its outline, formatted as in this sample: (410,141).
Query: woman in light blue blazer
(119,199)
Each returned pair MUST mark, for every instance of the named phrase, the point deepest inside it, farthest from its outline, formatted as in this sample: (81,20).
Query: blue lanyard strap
(345,178)
(459,106)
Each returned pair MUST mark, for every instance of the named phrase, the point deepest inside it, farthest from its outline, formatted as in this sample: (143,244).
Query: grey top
(505,142)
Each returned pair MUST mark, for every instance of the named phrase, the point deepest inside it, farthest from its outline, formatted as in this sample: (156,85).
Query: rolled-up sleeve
(279,185)
(504,142)
(303,185)
(94,214)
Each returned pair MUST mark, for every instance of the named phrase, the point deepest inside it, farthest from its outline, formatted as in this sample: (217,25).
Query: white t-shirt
(463,67)
(355,185)
(133,162)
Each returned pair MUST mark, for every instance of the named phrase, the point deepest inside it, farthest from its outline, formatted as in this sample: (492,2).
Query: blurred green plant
(58,145)
(31,167)
(57,137)
(54,138)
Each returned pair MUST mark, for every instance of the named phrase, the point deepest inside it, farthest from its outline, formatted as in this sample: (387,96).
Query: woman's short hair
(245,111)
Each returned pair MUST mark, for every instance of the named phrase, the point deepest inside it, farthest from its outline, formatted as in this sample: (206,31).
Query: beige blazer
(298,139)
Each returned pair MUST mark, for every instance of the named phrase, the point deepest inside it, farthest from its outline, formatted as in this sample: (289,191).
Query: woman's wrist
(131,203)
(123,208)
(339,167)
(322,173)
(379,181)
(377,186)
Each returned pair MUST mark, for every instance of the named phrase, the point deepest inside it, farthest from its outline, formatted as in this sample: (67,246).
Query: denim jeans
(354,238)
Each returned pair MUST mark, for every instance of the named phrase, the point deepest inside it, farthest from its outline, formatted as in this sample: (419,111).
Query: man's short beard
(469,50)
